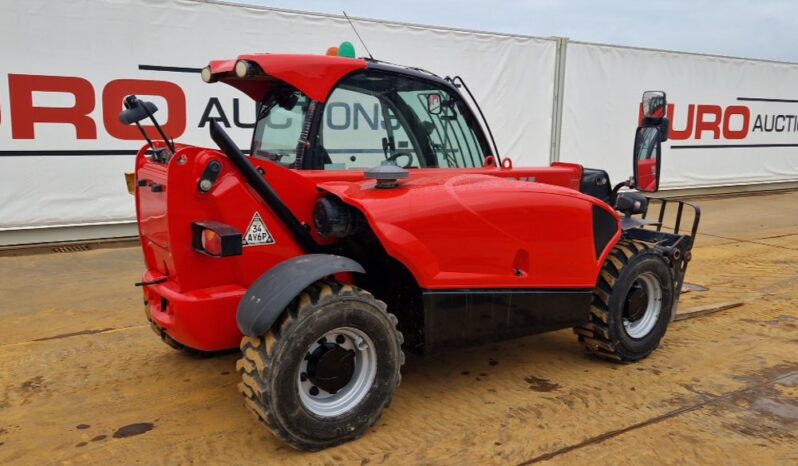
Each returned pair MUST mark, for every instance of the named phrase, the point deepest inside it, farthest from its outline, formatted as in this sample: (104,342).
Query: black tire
(605,335)
(270,365)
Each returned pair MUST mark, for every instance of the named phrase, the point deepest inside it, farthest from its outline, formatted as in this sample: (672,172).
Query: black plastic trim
(458,318)
(605,226)
(596,183)
(412,73)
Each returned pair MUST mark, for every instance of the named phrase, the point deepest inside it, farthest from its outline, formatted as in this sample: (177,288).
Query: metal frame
(558,98)
(677,247)
(679,211)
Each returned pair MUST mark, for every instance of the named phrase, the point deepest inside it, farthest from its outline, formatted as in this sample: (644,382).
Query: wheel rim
(643,306)
(337,372)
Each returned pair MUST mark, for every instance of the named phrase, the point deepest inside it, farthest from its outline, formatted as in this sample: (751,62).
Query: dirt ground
(83,380)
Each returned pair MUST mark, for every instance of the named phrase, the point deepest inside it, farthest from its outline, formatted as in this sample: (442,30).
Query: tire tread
(257,362)
(594,335)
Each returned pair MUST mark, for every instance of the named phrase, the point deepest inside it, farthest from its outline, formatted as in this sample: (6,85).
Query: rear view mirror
(434,103)
(654,105)
(655,108)
(136,110)
(647,159)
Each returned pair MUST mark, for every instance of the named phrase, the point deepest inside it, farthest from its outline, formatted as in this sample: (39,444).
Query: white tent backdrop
(719,140)
(104,41)
(71,53)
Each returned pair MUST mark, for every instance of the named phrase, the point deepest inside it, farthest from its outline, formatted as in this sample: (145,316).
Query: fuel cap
(387,174)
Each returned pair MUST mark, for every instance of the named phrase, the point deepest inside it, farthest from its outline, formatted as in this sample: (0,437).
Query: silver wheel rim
(326,404)
(644,325)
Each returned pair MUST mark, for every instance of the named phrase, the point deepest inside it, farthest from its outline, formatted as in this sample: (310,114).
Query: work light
(206,74)
(242,69)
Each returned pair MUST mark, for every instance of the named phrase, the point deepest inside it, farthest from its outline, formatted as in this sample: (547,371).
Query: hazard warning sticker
(257,234)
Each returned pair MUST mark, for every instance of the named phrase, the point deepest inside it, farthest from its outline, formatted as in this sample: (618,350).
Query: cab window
(375,116)
(360,130)
(452,139)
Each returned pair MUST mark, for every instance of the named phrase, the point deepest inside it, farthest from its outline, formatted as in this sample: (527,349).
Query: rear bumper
(203,319)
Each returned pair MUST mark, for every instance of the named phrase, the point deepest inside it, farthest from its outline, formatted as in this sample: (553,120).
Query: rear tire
(324,373)
(632,304)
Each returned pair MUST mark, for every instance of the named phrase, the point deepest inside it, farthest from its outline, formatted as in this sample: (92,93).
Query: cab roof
(314,75)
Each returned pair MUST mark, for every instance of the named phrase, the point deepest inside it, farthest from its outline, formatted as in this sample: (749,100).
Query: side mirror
(647,159)
(655,107)
(136,110)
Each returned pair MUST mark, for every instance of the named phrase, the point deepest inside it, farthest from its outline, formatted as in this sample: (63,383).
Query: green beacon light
(346,49)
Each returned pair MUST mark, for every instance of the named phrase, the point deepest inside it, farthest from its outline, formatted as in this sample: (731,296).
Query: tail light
(216,239)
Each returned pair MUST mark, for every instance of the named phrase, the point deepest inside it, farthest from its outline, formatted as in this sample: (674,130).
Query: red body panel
(468,230)
(202,291)
(477,231)
(314,75)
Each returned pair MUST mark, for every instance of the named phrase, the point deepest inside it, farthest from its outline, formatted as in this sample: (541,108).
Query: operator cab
(381,113)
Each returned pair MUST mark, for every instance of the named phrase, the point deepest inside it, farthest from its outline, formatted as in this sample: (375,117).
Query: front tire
(632,304)
(323,375)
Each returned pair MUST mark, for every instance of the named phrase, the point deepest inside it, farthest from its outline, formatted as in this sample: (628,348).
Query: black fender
(269,295)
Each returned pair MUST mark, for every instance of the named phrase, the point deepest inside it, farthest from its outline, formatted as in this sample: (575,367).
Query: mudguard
(273,291)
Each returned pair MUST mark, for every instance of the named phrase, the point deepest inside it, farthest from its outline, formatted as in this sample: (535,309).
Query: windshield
(279,127)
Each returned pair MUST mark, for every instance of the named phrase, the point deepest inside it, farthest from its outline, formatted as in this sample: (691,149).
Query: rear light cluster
(216,239)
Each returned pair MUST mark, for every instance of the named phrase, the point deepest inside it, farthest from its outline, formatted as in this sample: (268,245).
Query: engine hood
(452,185)
(482,231)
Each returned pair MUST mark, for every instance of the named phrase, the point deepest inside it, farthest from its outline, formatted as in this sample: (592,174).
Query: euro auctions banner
(733,121)
(67,64)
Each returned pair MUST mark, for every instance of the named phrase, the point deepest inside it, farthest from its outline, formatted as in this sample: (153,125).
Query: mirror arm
(144,133)
(169,143)
(138,125)
(623,184)
(664,127)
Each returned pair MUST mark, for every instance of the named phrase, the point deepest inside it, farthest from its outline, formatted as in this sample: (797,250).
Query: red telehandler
(338,243)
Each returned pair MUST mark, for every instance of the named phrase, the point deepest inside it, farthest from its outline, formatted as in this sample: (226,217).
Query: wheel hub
(337,372)
(636,302)
(330,367)
(643,306)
